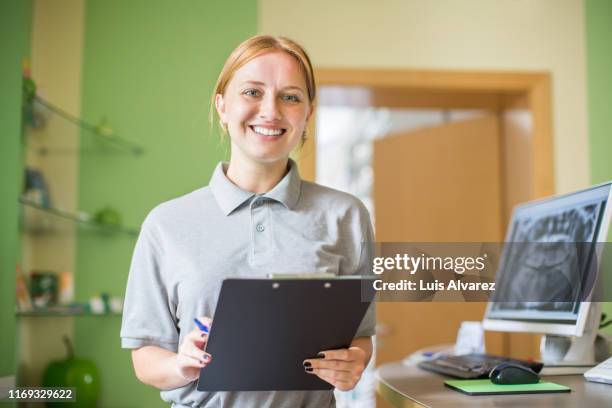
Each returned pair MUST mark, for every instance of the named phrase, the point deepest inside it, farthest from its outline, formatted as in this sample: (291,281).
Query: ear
(312,109)
(220,106)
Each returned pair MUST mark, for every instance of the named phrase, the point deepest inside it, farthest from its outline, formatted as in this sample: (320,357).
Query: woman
(256,216)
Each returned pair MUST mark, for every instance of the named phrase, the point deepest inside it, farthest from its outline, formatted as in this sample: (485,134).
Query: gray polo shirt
(188,245)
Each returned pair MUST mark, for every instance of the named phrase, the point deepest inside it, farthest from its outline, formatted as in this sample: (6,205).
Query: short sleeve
(364,267)
(149,314)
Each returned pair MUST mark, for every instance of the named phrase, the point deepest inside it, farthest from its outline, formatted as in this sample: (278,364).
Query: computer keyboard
(602,373)
(474,365)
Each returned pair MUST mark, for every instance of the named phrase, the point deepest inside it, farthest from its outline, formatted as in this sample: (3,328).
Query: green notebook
(486,387)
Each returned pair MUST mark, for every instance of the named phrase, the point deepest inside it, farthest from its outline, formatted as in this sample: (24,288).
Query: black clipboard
(263,329)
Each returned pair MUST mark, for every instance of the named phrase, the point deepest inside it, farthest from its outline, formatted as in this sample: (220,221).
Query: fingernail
(307,364)
(321,355)
(206,358)
(309,369)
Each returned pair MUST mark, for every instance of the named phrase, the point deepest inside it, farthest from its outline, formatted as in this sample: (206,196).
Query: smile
(267,132)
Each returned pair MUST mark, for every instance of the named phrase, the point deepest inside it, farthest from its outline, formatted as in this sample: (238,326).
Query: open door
(441,184)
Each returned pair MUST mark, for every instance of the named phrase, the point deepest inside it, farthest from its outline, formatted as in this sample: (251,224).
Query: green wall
(599,71)
(149,68)
(15,23)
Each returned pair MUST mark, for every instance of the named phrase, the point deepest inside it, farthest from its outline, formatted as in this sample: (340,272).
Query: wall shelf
(102,133)
(64,313)
(32,210)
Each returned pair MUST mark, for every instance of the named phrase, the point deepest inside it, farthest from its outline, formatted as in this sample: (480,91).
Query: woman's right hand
(191,357)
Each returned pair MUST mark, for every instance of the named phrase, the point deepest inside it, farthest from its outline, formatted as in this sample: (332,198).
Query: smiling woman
(254,218)
(264,98)
(265,118)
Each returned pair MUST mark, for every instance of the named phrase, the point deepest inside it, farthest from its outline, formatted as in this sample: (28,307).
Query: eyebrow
(262,84)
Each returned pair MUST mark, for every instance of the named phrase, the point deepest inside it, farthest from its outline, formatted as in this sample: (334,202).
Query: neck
(256,177)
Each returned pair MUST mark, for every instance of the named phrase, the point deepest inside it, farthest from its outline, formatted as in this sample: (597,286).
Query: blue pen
(200,325)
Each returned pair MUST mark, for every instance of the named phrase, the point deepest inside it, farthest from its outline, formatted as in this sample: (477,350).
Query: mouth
(268,132)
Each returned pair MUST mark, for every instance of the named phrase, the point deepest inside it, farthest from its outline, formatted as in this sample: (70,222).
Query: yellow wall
(56,54)
(543,35)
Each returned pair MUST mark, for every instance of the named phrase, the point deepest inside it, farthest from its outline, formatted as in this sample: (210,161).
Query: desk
(409,386)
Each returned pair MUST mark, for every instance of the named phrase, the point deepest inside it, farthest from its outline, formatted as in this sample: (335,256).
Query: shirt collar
(229,196)
(287,191)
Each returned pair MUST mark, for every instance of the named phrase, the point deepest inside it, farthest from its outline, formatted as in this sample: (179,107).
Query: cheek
(298,117)
(241,112)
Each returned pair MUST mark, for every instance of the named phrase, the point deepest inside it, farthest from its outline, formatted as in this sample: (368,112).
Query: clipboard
(264,329)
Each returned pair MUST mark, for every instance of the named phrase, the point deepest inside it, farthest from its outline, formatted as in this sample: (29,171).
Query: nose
(268,109)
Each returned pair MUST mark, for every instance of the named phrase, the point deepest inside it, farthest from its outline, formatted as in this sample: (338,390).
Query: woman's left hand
(342,368)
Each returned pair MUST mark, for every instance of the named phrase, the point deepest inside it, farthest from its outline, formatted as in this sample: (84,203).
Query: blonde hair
(254,47)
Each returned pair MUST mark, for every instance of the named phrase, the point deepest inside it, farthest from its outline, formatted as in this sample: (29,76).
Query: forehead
(272,68)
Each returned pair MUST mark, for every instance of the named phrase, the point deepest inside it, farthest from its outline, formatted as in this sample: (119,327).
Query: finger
(197,335)
(193,351)
(339,384)
(339,354)
(338,365)
(197,338)
(186,361)
(333,374)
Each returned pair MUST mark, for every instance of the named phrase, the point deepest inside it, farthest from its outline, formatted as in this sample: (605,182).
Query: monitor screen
(549,264)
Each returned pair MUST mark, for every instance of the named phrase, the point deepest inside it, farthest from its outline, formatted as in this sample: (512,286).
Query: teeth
(267,132)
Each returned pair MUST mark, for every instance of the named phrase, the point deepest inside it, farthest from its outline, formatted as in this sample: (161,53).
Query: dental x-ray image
(547,259)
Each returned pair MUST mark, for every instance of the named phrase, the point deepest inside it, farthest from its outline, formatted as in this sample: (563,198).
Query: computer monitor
(550,265)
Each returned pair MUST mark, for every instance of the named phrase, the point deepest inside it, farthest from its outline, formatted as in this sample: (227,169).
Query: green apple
(108,216)
(80,373)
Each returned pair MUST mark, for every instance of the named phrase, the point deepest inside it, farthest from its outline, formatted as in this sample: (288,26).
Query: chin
(268,155)
(262,153)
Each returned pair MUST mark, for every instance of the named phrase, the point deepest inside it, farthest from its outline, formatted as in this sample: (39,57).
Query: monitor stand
(564,355)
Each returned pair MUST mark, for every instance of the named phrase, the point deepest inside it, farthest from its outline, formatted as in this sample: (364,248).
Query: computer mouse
(509,373)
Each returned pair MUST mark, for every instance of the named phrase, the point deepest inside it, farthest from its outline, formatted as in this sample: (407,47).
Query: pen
(200,325)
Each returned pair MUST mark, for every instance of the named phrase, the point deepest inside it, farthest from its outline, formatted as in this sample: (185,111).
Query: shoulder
(183,208)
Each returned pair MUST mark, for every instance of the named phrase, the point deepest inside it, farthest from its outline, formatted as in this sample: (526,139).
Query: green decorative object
(104,128)
(29,91)
(108,216)
(43,289)
(74,372)
(28,87)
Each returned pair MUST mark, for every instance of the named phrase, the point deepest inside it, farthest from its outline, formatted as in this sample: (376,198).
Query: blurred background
(104,114)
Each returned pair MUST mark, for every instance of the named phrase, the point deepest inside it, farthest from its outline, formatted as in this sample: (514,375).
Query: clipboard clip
(281,276)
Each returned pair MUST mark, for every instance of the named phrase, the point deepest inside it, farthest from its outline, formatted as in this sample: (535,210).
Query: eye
(291,98)
(251,92)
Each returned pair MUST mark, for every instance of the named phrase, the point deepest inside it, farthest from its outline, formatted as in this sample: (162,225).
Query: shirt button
(260,228)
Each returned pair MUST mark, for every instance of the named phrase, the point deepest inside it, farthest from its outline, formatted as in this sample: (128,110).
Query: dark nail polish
(307,364)
(309,369)
(321,355)
(206,358)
